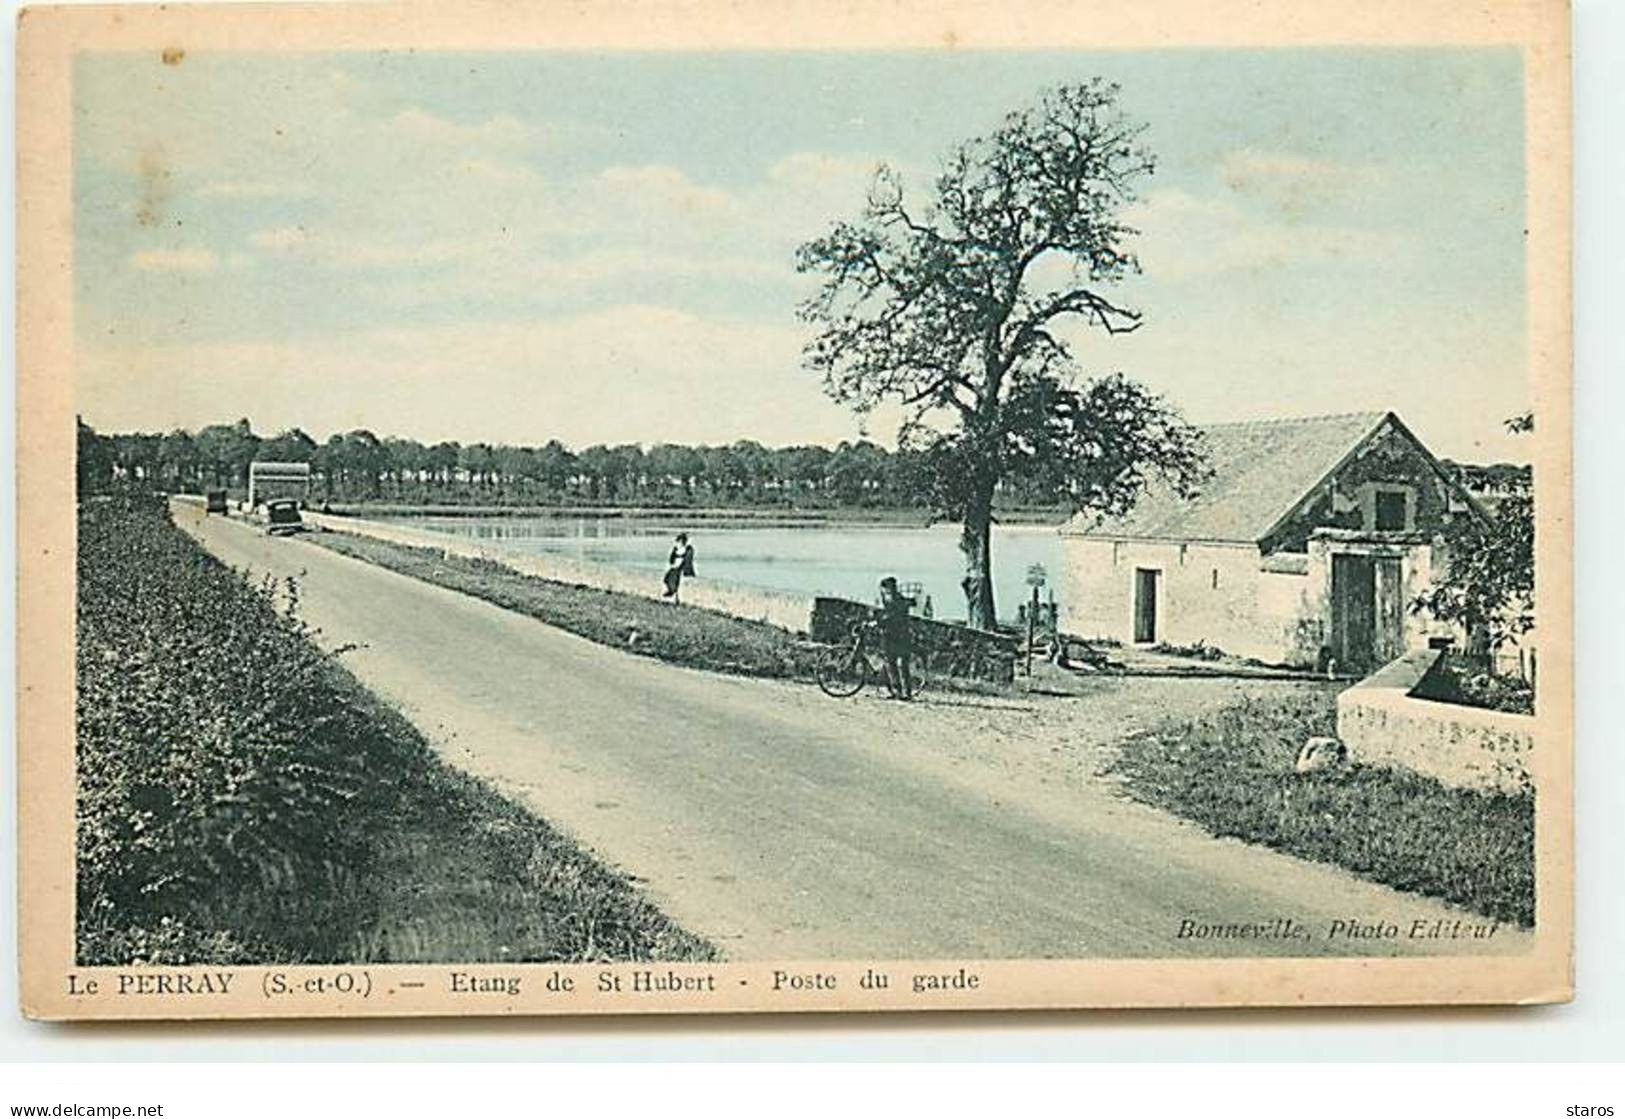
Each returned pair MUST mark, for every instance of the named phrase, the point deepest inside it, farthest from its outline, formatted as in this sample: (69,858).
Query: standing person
(896,639)
(679,565)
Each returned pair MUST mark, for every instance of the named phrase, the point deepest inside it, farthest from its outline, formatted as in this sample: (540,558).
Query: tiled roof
(1261,470)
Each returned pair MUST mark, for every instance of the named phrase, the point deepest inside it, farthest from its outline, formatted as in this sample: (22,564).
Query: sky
(594,247)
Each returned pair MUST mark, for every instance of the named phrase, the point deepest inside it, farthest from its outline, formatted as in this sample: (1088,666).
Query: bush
(241,799)
(1458,679)
(1233,773)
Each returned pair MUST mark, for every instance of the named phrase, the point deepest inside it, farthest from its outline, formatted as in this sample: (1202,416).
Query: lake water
(847,560)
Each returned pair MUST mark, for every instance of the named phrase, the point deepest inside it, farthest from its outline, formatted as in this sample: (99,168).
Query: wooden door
(1388,639)
(1354,612)
(1145,604)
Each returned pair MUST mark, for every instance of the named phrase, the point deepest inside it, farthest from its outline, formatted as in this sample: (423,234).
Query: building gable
(1273,481)
(1387,483)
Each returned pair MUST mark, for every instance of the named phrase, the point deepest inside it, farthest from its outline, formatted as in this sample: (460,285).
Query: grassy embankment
(241,798)
(685,635)
(1232,772)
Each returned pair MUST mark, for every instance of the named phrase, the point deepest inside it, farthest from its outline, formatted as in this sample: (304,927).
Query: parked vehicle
(214,501)
(282,517)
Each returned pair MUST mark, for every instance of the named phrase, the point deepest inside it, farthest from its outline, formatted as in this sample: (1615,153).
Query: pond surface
(841,559)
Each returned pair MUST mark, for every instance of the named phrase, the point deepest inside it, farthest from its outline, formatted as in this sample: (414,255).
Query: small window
(1215,578)
(1390,511)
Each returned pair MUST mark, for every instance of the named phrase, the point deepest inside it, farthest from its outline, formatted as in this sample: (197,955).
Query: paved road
(783,825)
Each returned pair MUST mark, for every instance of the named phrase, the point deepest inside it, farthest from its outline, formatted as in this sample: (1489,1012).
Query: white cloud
(175,260)
(1183,236)
(281,239)
(605,267)
(388,178)
(656,188)
(501,131)
(625,373)
(339,250)
(251,189)
(1295,182)
(442,209)
(815,188)
(364,253)
(819,169)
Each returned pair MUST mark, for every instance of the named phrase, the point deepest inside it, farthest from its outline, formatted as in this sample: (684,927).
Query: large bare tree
(951,309)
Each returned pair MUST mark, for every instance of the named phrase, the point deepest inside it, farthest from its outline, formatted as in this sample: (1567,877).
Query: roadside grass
(1232,772)
(686,635)
(241,798)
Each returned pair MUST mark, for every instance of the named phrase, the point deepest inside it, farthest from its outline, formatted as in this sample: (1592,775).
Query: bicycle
(844,670)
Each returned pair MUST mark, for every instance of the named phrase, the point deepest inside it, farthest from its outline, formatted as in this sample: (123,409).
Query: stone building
(1308,543)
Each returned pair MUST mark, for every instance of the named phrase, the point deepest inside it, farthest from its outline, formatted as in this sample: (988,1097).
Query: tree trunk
(976,542)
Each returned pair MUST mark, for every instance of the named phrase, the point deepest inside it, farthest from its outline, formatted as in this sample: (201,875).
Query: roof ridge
(1278,421)
(1262,469)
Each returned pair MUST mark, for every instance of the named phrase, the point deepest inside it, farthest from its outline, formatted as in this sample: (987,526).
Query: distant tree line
(1496,480)
(361,466)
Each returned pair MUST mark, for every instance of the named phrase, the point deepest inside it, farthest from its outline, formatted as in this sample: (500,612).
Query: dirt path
(783,824)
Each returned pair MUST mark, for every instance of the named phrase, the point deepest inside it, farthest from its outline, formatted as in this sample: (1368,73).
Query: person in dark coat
(679,565)
(896,639)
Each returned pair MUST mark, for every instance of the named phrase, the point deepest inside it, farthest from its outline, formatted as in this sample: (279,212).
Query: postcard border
(48,37)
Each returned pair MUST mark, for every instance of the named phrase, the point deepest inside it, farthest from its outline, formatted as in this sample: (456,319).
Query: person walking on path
(679,566)
(896,638)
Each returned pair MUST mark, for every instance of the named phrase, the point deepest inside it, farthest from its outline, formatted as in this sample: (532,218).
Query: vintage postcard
(684,507)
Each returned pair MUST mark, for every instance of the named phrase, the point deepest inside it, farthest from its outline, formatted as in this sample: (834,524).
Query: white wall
(1279,617)
(1212,593)
(1291,617)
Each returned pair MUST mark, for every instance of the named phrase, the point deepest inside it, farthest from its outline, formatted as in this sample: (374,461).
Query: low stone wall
(1381,723)
(787,611)
(938,646)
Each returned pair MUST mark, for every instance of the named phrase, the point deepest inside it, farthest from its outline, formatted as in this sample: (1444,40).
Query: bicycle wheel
(916,679)
(842,673)
(920,680)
